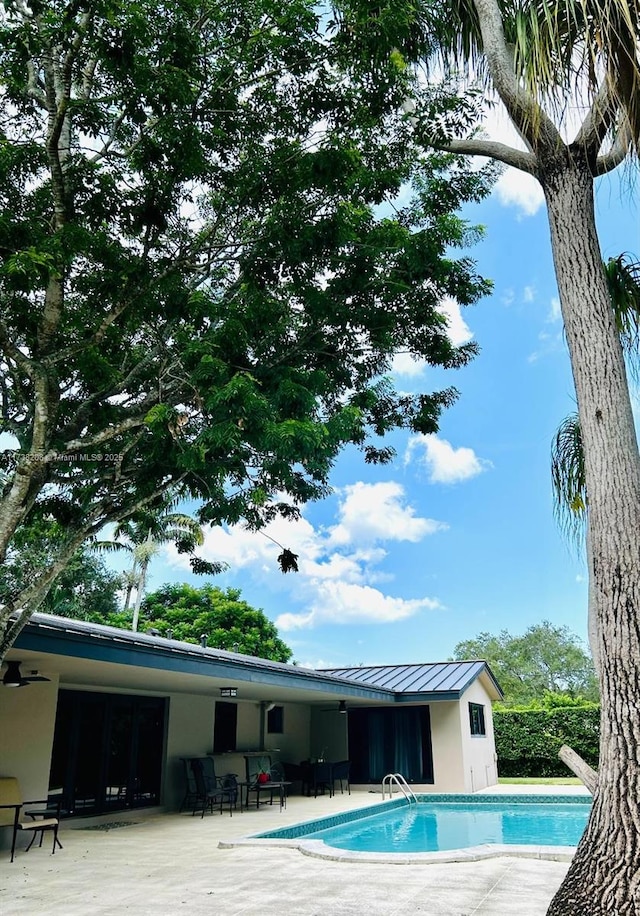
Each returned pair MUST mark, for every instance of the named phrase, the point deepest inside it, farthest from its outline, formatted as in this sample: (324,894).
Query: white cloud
(550,343)
(376,512)
(339,579)
(520,190)
(406,364)
(528,294)
(459,331)
(341,602)
(514,188)
(446,463)
(555,314)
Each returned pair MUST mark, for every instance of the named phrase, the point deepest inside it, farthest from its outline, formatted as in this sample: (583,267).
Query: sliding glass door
(107,751)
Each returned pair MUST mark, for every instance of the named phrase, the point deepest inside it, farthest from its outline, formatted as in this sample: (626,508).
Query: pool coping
(321,850)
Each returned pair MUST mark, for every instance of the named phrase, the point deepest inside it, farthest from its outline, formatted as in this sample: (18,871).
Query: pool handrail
(399,780)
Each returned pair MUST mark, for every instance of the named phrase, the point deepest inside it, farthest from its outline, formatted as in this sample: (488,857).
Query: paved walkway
(165,864)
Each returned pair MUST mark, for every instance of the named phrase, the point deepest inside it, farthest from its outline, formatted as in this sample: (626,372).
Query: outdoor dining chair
(35,821)
(210,790)
(316,776)
(340,772)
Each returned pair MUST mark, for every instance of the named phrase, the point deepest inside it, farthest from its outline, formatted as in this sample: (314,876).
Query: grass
(539,781)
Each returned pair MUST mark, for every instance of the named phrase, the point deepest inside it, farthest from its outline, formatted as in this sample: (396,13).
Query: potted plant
(263,776)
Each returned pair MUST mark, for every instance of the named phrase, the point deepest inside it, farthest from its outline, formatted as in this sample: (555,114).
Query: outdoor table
(258,787)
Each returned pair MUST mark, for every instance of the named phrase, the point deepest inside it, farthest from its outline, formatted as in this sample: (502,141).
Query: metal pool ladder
(398,779)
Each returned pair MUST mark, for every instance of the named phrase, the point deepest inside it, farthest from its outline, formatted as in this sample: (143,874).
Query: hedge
(528,741)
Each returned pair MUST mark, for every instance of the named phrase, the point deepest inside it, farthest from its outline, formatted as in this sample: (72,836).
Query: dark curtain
(396,740)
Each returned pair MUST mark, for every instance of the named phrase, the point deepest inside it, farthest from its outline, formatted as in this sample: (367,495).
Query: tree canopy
(86,589)
(228,622)
(545,660)
(200,292)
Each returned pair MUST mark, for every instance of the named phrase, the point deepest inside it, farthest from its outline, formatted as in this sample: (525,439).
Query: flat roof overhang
(103,658)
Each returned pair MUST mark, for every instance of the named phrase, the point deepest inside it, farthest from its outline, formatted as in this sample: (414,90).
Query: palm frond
(558,46)
(568,479)
(623,278)
(563,44)
(109,546)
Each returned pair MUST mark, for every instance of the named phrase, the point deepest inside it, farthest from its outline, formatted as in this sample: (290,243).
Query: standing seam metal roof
(433,677)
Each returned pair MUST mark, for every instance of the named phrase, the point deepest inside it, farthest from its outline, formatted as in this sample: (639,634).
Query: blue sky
(457,536)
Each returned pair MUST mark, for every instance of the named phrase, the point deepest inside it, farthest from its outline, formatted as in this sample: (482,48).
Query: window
(476,719)
(275,720)
(224,728)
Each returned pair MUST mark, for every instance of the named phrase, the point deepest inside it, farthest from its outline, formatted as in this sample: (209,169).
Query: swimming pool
(436,826)
(443,828)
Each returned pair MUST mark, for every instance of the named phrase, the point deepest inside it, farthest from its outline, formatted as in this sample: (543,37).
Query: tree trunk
(142,581)
(603,879)
(578,766)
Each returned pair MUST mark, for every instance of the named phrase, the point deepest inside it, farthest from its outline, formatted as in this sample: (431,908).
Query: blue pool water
(433,826)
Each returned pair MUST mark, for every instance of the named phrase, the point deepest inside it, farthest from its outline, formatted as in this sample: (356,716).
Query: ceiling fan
(341,707)
(13,677)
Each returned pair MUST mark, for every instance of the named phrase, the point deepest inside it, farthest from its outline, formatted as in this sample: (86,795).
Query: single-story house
(105,716)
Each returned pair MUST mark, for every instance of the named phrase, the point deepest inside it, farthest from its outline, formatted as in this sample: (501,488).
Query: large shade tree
(219,615)
(537,57)
(545,659)
(200,294)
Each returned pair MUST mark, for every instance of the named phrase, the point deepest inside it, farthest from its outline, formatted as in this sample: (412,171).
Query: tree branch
(598,122)
(529,118)
(578,766)
(518,159)
(81,445)
(617,154)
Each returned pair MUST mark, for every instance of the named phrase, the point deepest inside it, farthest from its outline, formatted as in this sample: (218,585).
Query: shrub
(528,740)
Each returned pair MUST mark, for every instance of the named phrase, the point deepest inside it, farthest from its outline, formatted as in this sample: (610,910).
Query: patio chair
(12,815)
(341,771)
(255,765)
(259,769)
(294,773)
(210,790)
(191,791)
(321,778)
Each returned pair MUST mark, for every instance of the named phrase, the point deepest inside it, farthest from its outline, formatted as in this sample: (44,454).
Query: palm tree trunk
(604,876)
(127,597)
(142,581)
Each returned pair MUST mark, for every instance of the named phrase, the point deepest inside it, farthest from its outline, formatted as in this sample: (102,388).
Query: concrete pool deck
(163,864)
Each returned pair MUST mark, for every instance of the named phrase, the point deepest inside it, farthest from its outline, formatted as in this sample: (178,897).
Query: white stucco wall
(189,734)
(27,720)
(478,751)
(293,744)
(290,746)
(446,739)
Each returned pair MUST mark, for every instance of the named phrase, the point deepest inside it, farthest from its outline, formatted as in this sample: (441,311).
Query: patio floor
(163,864)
